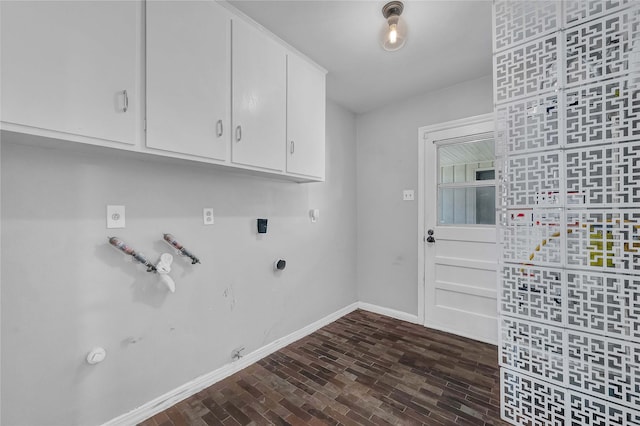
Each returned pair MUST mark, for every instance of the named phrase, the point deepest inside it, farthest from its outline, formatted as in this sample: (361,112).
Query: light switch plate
(408,195)
(207,216)
(115,217)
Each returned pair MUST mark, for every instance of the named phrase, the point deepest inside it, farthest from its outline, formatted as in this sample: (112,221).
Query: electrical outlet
(207,216)
(115,217)
(408,195)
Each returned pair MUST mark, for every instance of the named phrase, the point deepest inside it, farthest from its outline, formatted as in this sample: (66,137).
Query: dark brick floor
(364,369)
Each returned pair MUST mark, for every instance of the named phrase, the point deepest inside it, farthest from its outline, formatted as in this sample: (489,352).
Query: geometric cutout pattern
(567,108)
(602,113)
(605,304)
(604,367)
(533,180)
(531,237)
(579,11)
(532,348)
(588,411)
(528,401)
(526,70)
(518,21)
(529,125)
(533,293)
(599,49)
(604,240)
(604,176)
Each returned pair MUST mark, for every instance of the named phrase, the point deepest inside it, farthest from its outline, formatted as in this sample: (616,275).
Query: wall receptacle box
(262,226)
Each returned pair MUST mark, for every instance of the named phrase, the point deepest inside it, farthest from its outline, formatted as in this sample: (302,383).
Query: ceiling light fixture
(395,31)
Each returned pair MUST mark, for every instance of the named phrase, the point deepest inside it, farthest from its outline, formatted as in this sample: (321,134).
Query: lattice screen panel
(533,348)
(532,236)
(604,176)
(533,180)
(576,11)
(586,411)
(602,113)
(604,304)
(567,106)
(604,240)
(533,292)
(603,367)
(599,49)
(526,70)
(529,401)
(532,124)
(517,22)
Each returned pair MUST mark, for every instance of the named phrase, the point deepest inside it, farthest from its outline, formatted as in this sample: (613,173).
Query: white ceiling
(448,41)
(474,151)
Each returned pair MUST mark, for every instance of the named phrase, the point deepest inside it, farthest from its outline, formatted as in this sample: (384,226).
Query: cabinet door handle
(293,147)
(238,133)
(125,95)
(219,130)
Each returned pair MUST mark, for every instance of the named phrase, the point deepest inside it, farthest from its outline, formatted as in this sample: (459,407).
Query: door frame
(427,134)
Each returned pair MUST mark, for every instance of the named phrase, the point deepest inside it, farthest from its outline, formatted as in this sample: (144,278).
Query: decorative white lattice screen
(567,106)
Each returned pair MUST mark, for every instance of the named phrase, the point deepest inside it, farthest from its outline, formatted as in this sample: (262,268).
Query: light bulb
(393,33)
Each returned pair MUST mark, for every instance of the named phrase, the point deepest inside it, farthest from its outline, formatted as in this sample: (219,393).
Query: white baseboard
(180,393)
(478,338)
(174,396)
(389,312)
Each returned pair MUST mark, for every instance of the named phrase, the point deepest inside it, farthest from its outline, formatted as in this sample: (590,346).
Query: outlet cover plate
(408,195)
(115,217)
(207,216)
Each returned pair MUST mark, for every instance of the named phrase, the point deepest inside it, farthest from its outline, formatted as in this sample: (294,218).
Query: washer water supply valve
(180,248)
(139,257)
(162,268)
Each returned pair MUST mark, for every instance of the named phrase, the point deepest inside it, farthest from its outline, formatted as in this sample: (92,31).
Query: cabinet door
(188,77)
(305,118)
(259,99)
(72,67)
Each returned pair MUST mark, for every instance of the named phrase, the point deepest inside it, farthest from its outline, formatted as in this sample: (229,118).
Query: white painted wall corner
(403,316)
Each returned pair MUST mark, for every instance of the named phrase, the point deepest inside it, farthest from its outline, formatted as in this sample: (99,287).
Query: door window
(466,181)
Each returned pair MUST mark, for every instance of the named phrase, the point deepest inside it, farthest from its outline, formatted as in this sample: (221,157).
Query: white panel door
(460,236)
(305,118)
(72,67)
(259,84)
(189,77)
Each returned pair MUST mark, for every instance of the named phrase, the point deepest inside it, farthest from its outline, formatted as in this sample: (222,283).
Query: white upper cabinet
(71,69)
(305,118)
(259,98)
(189,77)
(218,88)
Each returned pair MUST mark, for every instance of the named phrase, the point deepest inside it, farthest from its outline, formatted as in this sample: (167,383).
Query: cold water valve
(180,248)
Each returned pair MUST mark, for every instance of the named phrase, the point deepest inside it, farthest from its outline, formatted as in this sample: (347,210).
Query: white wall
(387,158)
(65,290)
